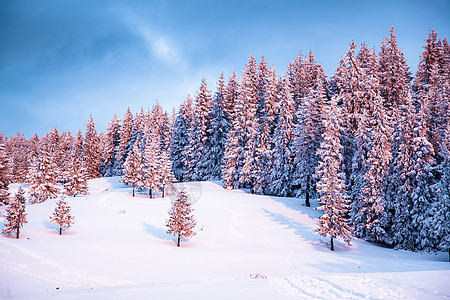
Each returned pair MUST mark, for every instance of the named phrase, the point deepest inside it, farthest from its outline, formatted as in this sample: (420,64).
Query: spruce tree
(166,177)
(283,152)
(195,166)
(132,169)
(110,155)
(125,133)
(19,152)
(331,187)
(266,115)
(180,138)
(91,151)
(15,214)
(217,132)
(76,183)
(308,136)
(61,215)
(4,174)
(151,168)
(181,221)
(237,170)
(42,179)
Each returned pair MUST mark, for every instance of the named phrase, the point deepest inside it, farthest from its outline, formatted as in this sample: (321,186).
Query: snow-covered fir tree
(91,151)
(19,153)
(283,152)
(125,134)
(419,191)
(64,155)
(61,215)
(237,170)
(166,177)
(331,186)
(432,90)
(15,214)
(266,115)
(437,225)
(151,168)
(42,179)
(181,220)
(132,169)
(230,95)
(159,119)
(308,136)
(217,132)
(180,137)
(199,144)
(393,74)
(110,156)
(4,173)
(76,178)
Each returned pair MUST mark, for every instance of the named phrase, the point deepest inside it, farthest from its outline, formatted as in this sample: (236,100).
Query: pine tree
(125,134)
(61,215)
(18,150)
(231,93)
(237,170)
(181,221)
(4,174)
(420,193)
(132,169)
(438,224)
(109,156)
(42,179)
(160,121)
(76,183)
(165,171)
(151,173)
(91,151)
(432,86)
(180,138)
(64,155)
(217,132)
(331,188)
(308,136)
(199,144)
(15,214)
(393,74)
(283,165)
(267,108)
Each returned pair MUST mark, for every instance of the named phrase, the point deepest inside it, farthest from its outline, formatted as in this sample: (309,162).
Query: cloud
(159,45)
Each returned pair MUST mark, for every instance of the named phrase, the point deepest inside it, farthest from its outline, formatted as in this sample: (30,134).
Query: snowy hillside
(247,247)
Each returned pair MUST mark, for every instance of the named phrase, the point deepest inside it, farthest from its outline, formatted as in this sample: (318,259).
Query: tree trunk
(133,190)
(308,178)
(150,193)
(178,244)
(163,191)
(332,244)
(60,230)
(17,232)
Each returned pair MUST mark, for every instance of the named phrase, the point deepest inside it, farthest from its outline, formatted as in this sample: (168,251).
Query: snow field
(118,248)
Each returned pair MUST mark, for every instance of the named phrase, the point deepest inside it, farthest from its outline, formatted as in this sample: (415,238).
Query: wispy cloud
(159,45)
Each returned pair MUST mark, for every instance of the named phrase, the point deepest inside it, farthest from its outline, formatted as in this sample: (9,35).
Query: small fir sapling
(181,221)
(61,215)
(15,214)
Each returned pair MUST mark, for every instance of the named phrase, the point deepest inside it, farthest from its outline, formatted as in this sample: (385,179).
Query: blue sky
(61,61)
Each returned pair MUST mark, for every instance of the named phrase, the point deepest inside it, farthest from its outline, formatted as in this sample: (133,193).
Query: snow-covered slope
(247,247)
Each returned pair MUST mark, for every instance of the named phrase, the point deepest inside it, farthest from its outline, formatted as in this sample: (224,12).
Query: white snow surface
(246,247)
